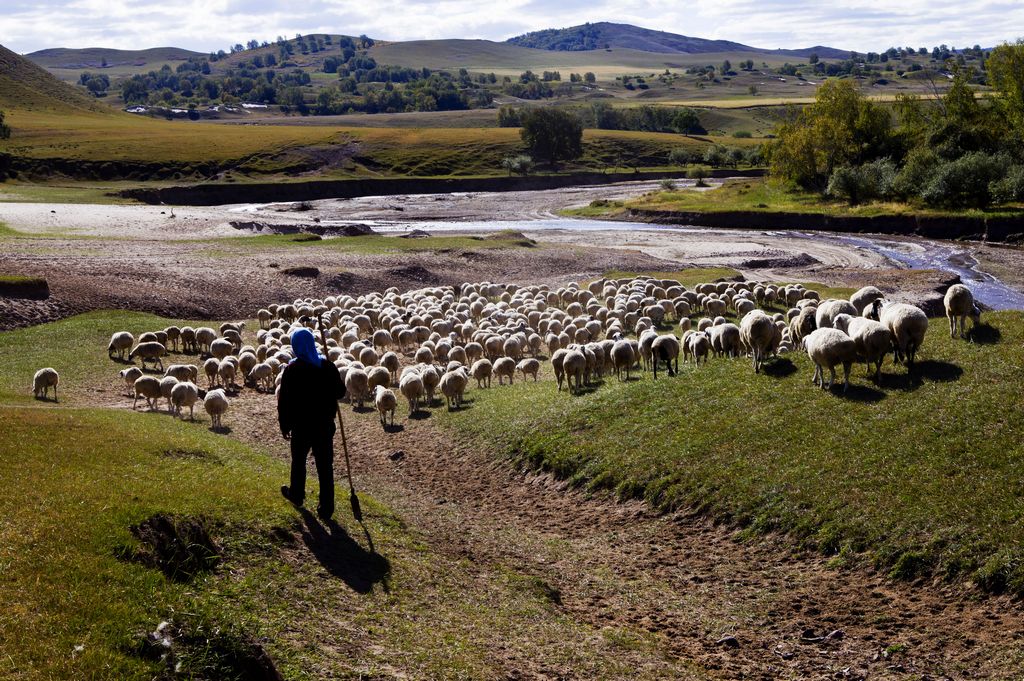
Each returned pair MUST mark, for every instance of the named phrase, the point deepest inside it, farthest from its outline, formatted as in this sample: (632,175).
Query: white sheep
(216,405)
(120,342)
(505,367)
(529,367)
(828,310)
(864,297)
(183,372)
(184,394)
(758,333)
(873,340)
(623,358)
(411,387)
(453,385)
(481,371)
(167,384)
(908,325)
(148,387)
(357,385)
(830,347)
(42,381)
(151,351)
(959,304)
(129,376)
(385,401)
(574,365)
(262,375)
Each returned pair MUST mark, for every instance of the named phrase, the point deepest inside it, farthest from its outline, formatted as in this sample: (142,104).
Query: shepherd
(307,402)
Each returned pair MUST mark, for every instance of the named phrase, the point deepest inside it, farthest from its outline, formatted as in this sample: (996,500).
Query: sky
(207,25)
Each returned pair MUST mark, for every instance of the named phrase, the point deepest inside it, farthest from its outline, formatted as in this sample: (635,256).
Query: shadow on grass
(221,430)
(392,428)
(937,371)
(984,334)
(779,368)
(420,415)
(859,393)
(363,410)
(342,556)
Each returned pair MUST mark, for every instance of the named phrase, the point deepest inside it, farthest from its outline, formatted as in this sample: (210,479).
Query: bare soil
(753,609)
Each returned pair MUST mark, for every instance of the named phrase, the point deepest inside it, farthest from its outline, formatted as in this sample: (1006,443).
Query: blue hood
(304,346)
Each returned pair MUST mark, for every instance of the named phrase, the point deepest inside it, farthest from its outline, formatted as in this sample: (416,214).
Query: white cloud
(27,25)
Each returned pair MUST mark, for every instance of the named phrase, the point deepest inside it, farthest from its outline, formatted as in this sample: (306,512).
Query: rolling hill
(26,86)
(604,35)
(97,57)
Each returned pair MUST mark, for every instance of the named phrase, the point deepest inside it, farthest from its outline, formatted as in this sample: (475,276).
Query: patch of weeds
(180,547)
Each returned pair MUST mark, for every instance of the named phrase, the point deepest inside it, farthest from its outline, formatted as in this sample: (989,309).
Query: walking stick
(357,512)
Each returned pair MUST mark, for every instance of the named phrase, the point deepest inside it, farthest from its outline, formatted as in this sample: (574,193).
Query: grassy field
(764,196)
(921,475)
(365,245)
(317,599)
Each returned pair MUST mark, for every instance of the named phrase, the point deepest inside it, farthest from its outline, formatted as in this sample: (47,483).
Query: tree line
(958,151)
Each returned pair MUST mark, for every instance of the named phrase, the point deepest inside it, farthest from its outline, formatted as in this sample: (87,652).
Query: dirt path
(756,609)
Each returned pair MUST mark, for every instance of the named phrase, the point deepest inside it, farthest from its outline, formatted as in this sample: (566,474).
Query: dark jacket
(307,401)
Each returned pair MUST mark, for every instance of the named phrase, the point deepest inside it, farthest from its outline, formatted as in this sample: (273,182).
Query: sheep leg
(832,377)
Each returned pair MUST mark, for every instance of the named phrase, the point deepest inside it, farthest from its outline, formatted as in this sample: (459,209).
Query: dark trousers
(322,445)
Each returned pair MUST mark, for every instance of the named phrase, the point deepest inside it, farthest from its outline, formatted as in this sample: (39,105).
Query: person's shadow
(342,556)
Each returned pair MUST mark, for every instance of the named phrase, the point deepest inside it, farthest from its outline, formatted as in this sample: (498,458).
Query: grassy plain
(920,475)
(315,597)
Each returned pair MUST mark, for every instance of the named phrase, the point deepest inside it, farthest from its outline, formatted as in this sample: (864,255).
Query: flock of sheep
(439,339)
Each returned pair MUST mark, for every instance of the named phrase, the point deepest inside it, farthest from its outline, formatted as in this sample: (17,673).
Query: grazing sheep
(377,376)
(529,367)
(505,367)
(828,310)
(482,370)
(698,345)
(129,376)
(557,359)
(411,387)
(150,351)
(357,385)
(829,347)
(959,303)
(183,372)
(802,325)
(645,342)
(864,297)
(120,342)
(204,336)
(216,405)
(42,381)
(188,339)
(385,402)
(211,368)
(574,365)
(392,363)
(453,385)
(908,325)
(185,394)
(227,372)
(167,384)
(758,332)
(221,348)
(148,387)
(665,349)
(725,339)
(262,375)
(873,341)
(623,358)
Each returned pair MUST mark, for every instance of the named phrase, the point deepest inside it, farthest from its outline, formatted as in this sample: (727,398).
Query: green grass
(922,477)
(78,478)
(764,196)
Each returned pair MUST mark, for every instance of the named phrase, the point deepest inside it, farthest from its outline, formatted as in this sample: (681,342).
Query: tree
(5,130)
(841,128)
(813,59)
(589,77)
(686,122)
(552,134)
(520,164)
(1005,67)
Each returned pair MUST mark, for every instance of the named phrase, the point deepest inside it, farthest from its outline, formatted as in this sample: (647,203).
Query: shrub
(716,156)
(916,172)
(742,134)
(1010,187)
(520,164)
(862,183)
(699,173)
(680,157)
(668,185)
(966,181)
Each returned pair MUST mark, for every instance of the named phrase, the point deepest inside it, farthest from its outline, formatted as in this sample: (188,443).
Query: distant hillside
(26,86)
(604,35)
(98,57)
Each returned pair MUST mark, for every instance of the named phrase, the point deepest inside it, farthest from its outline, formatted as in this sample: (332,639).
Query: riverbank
(753,204)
